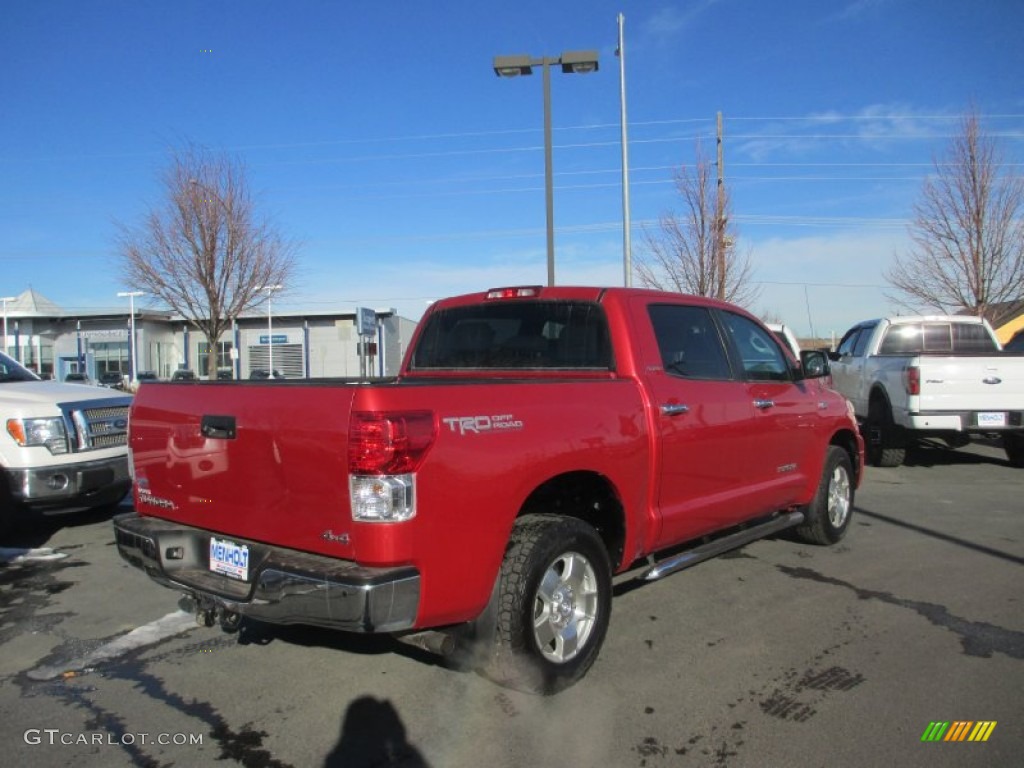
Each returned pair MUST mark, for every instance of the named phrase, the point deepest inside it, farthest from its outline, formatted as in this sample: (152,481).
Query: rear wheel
(553,604)
(883,445)
(1013,444)
(828,516)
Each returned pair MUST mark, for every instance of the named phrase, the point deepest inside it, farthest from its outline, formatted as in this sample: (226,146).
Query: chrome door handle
(764,405)
(674,409)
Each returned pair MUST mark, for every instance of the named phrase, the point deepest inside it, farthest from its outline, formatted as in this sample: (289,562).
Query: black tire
(12,513)
(881,441)
(553,605)
(828,516)
(1013,444)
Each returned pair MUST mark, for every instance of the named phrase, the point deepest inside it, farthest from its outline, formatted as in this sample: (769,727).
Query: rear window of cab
(515,335)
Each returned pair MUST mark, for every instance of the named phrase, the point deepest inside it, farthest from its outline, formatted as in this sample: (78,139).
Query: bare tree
(695,251)
(967,231)
(205,250)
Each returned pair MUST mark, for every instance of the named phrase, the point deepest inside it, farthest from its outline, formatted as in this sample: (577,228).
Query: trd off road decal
(478,425)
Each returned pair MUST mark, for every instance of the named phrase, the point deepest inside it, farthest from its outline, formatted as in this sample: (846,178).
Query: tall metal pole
(270,334)
(5,299)
(131,322)
(720,215)
(270,325)
(549,192)
(133,378)
(627,249)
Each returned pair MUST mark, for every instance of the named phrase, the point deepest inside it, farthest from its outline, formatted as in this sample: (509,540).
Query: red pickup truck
(536,442)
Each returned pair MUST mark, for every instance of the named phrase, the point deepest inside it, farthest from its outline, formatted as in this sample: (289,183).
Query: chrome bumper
(284,586)
(82,484)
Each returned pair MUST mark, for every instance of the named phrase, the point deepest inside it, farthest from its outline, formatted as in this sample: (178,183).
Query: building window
(46,360)
(111,357)
(223,356)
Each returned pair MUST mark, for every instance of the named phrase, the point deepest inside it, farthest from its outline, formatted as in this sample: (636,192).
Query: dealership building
(54,342)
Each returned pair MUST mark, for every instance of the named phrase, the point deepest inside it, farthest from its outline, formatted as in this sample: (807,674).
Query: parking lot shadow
(253,632)
(29,532)
(935,453)
(958,541)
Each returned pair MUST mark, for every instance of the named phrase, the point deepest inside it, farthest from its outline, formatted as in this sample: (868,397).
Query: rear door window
(689,342)
(861,346)
(845,348)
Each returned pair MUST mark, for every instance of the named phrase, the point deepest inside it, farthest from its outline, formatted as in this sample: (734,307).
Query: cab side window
(862,341)
(762,358)
(855,342)
(689,342)
(846,346)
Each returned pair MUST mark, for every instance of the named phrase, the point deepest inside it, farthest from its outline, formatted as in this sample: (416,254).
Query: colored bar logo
(959,730)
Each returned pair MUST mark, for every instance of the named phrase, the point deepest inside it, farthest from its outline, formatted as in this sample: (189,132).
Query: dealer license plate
(991,419)
(229,558)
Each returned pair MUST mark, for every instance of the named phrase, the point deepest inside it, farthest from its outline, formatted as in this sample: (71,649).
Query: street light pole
(579,62)
(131,342)
(627,247)
(270,325)
(5,299)
(549,175)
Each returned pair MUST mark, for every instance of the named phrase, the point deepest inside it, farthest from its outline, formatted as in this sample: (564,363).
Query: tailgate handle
(218,427)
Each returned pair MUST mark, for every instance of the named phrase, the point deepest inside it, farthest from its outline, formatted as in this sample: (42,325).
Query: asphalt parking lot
(778,654)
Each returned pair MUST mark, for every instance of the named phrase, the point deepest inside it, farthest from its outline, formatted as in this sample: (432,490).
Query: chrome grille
(117,412)
(104,425)
(109,441)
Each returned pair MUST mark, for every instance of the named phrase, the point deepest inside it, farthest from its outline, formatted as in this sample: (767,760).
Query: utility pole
(720,217)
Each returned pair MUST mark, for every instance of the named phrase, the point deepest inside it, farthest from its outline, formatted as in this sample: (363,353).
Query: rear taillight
(913,377)
(389,442)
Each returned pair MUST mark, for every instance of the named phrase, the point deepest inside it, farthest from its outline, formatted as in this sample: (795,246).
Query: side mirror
(814,364)
(833,356)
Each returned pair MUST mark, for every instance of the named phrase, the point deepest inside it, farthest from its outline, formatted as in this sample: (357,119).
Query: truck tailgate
(972,383)
(244,460)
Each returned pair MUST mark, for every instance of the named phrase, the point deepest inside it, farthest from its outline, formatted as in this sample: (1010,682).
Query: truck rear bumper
(967,421)
(284,586)
(83,484)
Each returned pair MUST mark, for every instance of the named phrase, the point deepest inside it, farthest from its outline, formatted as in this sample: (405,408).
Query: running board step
(718,546)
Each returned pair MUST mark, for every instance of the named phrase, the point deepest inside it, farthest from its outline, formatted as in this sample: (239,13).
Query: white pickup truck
(930,376)
(62,446)
(785,334)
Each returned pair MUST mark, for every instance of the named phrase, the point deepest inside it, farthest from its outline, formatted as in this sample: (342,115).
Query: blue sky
(378,135)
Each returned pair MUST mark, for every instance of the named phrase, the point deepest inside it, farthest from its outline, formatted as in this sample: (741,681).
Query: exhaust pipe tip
(432,641)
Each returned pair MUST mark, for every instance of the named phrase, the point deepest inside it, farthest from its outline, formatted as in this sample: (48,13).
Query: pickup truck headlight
(382,498)
(48,433)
